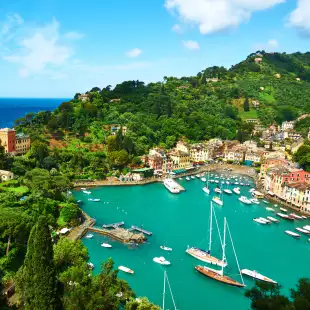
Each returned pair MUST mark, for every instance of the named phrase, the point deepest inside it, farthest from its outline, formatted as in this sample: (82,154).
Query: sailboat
(206,188)
(164,293)
(219,275)
(206,256)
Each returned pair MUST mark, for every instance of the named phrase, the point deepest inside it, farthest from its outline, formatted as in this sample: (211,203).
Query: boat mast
(224,245)
(235,254)
(175,308)
(210,240)
(164,293)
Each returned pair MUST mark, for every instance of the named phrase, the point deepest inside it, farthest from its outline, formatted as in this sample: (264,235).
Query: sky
(56,48)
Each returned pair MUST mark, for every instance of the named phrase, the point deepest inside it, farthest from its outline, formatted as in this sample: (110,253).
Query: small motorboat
(236,190)
(126,269)
(90,266)
(86,192)
(252,190)
(245,200)
(270,209)
(292,234)
(260,221)
(227,182)
(236,183)
(302,230)
(89,236)
(211,181)
(203,179)
(161,260)
(93,199)
(265,220)
(187,178)
(192,177)
(165,248)
(241,184)
(180,178)
(255,201)
(295,216)
(206,190)
(276,206)
(307,227)
(227,191)
(283,210)
(106,245)
(218,190)
(266,202)
(257,276)
(272,219)
(83,188)
(216,181)
(79,201)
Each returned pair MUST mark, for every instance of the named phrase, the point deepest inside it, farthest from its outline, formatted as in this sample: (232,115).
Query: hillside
(214,103)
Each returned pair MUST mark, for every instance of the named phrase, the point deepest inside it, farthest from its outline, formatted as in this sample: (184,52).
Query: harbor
(178,221)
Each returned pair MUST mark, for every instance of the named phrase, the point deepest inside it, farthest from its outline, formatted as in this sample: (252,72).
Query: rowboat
(257,276)
(302,230)
(292,234)
(125,269)
(165,248)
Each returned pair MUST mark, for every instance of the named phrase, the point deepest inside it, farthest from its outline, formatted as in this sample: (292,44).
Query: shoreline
(112,181)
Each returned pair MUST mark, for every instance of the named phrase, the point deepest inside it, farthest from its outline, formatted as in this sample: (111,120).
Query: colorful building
(8,139)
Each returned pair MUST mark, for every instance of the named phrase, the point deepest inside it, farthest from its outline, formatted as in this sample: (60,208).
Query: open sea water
(181,220)
(13,108)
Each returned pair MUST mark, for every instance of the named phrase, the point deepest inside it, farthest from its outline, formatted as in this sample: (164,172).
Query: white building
(6,175)
(287,126)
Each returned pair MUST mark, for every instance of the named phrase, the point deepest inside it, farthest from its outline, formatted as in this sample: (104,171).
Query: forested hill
(272,87)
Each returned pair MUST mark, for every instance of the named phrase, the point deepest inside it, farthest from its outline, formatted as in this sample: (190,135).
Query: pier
(114,225)
(149,233)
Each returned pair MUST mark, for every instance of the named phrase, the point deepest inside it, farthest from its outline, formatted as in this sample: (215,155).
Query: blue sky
(55,48)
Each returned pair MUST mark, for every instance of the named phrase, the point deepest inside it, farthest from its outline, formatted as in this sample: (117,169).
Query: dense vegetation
(75,142)
(265,296)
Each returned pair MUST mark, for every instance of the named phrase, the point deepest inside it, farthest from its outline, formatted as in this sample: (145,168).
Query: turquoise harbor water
(180,220)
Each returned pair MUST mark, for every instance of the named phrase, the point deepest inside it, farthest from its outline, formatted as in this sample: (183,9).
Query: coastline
(112,181)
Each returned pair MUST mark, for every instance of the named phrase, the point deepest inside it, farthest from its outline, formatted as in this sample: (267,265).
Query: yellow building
(180,159)
(22,144)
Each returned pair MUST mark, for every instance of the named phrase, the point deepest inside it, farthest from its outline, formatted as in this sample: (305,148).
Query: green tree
(39,151)
(35,281)
(140,304)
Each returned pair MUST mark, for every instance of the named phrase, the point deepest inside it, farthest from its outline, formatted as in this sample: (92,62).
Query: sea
(182,220)
(14,108)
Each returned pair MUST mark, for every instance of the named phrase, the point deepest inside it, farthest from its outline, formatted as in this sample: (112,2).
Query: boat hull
(206,258)
(220,278)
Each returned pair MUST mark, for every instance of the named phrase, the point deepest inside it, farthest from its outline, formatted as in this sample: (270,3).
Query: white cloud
(134,52)
(216,15)
(271,45)
(73,35)
(300,17)
(11,22)
(42,52)
(177,28)
(191,45)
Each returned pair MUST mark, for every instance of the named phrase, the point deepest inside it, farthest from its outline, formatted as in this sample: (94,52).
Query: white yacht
(203,179)
(227,191)
(187,178)
(257,276)
(161,260)
(272,219)
(206,190)
(126,269)
(245,200)
(292,234)
(255,201)
(89,236)
(260,221)
(218,201)
(165,248)
(172,186)
(236,190)
(94,199)
(86,192)
(106,245)
(218,190)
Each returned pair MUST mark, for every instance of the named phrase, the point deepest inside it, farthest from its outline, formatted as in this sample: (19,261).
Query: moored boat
(94,199)
(227,191)
(90,266)
(165,248)
(295,216)
(258,220)
(126,269)
(302,230)
(245,200)
(265,220)
(89,236)
(257,276)
(206,190)
(203,179)
(283,210)
(255,201)
(192,177)
(304,217)
(270,209)
(172,186)
(86,192)
(285,216)
(161,260)
(272,219)
(307,227)
(292,234)
(266,202)
(236,190)
(218,190)
(218,201)
(106,245)
(187,178)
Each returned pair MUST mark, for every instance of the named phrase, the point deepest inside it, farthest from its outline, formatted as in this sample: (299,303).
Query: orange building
(8,139)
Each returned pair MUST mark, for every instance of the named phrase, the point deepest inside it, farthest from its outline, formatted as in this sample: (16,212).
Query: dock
(114,225)
(149,233)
